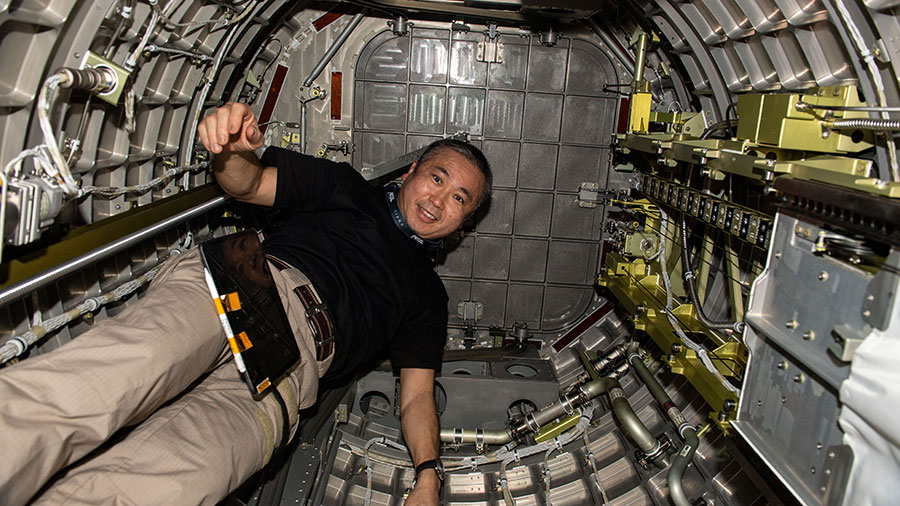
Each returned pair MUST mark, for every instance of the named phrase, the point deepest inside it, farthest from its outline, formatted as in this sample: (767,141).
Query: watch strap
(430,464)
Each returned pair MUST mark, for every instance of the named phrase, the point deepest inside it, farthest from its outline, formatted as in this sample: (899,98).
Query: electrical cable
(153,48)
(18,344)
(48,92)
(688,274)
(115,191)
(875,74)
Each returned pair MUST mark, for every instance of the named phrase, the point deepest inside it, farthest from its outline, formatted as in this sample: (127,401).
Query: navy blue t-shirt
(380,286)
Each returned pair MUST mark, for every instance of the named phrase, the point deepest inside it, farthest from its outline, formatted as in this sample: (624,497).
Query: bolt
(783,399)
(827,472)
(818,446)
(759,403)
(823,276)
(867,313)
(723,416)
(799,378)
(77,55)
(831,455)
(778,255)
(809,335)
(118,207)
(790,324)
(782,365)
(807,232)
(812,470)
(676,348)
(729,405)
(870,297)
(798,230)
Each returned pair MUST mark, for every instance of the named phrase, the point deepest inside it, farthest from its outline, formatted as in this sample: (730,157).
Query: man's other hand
(230,128)
(426,491)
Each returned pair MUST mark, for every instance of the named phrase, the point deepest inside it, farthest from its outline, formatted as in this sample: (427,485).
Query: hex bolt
(823,276)
(809,335)
(791,324)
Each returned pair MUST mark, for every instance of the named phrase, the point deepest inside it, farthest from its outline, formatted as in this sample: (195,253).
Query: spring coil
(867,124)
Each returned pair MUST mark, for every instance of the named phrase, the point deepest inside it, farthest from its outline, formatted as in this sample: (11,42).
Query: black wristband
(431,464)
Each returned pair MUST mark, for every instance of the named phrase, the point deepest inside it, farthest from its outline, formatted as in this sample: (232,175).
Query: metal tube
(33,283)
(491,437)
(329,54)
(640,59)
(617,51)
(303,126)
(679,464)
(691,440)
(888,125)
(631,424)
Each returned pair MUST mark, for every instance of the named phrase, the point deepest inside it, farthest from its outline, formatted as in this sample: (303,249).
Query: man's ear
(410,171)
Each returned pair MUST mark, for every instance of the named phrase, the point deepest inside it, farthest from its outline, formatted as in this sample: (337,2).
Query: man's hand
(426,491)
(230,128)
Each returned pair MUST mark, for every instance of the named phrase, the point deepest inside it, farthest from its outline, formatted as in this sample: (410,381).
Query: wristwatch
(432,464)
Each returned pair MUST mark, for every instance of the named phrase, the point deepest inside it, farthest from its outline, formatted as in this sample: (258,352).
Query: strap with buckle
(316,315)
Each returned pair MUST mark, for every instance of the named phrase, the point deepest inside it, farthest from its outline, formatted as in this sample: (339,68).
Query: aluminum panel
(545,64)
(457,291)
(493,295)
(504,158)
(428,60)
(385,106)
(755,60)
(571,262)
(802,12)
(563,304)
(825,54)
(387,57)
(584,78)
(498,219)
(426,109)
(533,213)
(729,16)
(697,76)
(457,261)
(504,114)
(586,120)
(703,23)
(510,74)
(733,72)
(465,110)
(528,260)
(20,44)
(543,113)
(787,57)
(677,41)
(375,149)
(492,257)
(764,15)
(580,165)
(524,305)
(465,69)
(537,166)
(573,222)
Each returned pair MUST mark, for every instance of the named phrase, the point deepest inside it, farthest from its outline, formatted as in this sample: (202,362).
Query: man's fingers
(208,132)
(238,114)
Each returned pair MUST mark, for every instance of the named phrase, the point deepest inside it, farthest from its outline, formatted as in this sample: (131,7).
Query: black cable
(692,289)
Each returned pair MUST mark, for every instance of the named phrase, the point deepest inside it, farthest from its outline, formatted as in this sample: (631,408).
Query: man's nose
(438,198)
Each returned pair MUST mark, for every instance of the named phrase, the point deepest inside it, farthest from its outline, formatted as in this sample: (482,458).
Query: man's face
(437,195)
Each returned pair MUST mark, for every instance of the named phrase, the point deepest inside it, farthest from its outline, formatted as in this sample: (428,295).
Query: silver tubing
(333,49)
(33,283)
(620,55)
(477,436)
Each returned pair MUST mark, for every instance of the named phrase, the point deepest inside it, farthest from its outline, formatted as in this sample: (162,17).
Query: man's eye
(459,199)
(437,179)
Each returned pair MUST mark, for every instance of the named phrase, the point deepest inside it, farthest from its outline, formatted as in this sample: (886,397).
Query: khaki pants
(168,347)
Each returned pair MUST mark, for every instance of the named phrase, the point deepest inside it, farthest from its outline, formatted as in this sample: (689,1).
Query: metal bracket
(588,195)
(490,50)
(470,310)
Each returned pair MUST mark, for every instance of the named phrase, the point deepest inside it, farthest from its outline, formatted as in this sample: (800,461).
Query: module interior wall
(545,124)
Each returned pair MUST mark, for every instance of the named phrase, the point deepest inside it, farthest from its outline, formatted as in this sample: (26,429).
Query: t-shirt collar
(390,194)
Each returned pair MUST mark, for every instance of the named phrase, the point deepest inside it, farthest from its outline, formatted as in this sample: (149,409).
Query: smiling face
(439,193)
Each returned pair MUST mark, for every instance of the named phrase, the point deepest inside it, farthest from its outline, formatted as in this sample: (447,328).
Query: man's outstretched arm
(419,421)
(232,135)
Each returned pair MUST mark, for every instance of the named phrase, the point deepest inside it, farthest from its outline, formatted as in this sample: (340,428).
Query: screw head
(823,276)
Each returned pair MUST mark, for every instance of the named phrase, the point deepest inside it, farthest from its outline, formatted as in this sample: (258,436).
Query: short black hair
(471,153)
